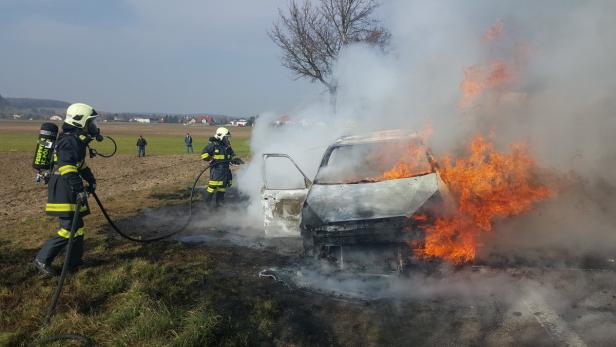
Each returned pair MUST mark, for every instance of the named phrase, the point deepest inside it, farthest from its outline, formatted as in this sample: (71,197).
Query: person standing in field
(188,143)
(219,154)
(65,190)
(141,143)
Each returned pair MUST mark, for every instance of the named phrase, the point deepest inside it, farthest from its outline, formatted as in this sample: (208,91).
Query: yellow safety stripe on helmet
(219,156)
(205,155)
(215,183)
(67,233)
(63,208)
(210,190)
(67,169)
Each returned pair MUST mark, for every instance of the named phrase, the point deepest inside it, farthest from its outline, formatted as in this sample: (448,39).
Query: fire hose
(158,238)
(56,295)
(85,341)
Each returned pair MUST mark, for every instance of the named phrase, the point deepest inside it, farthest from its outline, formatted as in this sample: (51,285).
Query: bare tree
(311,36)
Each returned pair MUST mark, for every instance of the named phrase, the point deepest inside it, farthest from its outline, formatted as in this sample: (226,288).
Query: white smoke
(561,101)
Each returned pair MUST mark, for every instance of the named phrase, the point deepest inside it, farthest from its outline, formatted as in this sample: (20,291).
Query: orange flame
(486,185)
(412,163)
(478,79)
(493,32)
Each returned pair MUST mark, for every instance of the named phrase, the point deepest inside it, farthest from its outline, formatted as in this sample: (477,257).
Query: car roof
(378,136)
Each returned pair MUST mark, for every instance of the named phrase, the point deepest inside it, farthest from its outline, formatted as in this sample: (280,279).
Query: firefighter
(66,188)
(219,149)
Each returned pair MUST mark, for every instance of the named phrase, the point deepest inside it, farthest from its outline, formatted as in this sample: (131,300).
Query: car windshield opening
(375,162)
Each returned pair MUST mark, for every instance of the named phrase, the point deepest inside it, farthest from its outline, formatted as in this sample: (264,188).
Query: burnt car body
(351,202)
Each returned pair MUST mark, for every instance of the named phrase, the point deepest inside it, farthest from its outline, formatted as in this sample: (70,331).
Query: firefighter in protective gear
(66,189)
(220,154)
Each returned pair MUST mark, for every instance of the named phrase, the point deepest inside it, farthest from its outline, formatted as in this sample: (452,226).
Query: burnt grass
(165,293)
(198,294)
(193,295)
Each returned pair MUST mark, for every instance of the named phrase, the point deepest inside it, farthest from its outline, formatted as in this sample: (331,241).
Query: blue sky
(148,55)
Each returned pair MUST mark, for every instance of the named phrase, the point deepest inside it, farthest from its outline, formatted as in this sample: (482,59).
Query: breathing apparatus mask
(223,135)
(227,140)
(92,130)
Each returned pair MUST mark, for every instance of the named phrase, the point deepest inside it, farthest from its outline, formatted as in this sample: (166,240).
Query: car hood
(361,201)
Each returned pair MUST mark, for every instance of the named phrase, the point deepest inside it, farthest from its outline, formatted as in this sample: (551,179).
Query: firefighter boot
(220,199)
(45,269)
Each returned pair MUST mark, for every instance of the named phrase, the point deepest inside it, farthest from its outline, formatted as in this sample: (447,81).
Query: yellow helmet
(221,133)
(78,115)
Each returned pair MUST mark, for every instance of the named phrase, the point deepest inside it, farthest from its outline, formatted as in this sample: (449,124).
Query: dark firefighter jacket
(68,171)
(216,150)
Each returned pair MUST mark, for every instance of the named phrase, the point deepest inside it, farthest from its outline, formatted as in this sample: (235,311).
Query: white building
(239,122)
(141,120)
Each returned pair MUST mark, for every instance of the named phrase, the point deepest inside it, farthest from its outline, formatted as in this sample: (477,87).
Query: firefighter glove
(237,161)
(82,198)
(91,188)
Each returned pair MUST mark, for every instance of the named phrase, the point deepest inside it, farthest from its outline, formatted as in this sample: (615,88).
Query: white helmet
(221,133)
(78,115)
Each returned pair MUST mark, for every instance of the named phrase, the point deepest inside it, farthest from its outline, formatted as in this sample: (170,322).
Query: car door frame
(278,220)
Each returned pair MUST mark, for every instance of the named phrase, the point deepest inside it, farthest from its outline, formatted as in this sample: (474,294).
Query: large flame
(486,185)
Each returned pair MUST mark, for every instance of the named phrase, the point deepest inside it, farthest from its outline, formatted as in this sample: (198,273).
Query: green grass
(157,144)
(159,295)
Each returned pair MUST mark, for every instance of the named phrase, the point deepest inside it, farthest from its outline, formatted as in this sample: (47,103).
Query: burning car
(372,190)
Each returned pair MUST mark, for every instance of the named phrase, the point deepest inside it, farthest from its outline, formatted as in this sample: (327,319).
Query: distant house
(207,120)
(239,122)
(56,118)
(141,120)
(16,116)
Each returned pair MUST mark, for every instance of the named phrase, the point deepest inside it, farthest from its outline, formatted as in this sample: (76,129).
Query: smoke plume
(557,96)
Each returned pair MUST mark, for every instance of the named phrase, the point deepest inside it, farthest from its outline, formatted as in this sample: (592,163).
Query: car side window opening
(281,174)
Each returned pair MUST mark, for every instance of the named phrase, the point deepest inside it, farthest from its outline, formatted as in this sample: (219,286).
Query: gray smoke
(560,101)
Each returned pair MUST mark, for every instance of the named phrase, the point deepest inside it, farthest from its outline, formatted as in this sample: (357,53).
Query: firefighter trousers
(220,197)
(52,247)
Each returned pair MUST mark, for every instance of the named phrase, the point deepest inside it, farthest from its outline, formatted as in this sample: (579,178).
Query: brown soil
(119,177)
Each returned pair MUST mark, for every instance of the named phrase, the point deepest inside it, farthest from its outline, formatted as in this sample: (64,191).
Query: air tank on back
(43,156)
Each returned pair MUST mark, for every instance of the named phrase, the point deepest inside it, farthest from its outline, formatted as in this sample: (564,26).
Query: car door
(284,190)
